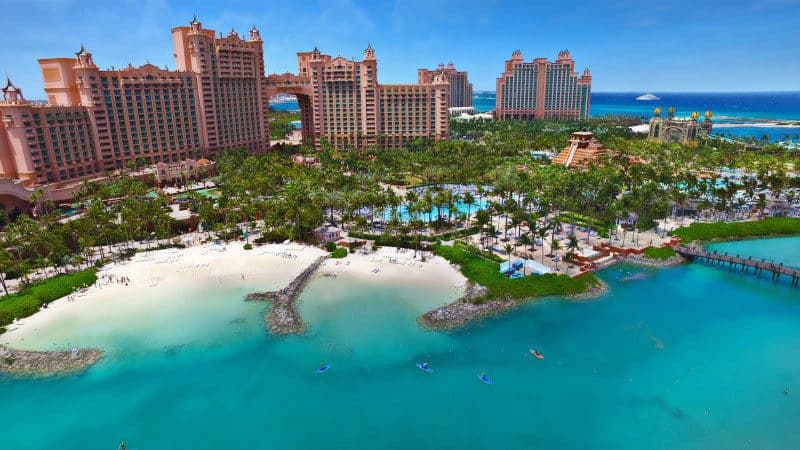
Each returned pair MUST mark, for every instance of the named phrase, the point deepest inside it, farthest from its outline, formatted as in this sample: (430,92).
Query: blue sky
(628,45)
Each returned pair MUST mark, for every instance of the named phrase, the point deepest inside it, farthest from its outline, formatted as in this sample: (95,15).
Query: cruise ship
(648,97)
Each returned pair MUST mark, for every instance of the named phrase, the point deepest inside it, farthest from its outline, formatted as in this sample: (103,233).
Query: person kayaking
(425,367)
(323,367)
(536,353)
(484,378)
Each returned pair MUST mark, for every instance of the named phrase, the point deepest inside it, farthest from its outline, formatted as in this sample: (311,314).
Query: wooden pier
(743,263)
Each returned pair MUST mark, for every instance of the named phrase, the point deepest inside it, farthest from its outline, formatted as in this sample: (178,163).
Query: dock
(741,263)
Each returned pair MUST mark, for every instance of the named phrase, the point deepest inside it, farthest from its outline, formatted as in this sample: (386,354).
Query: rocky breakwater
(642,261)
(467,308)
(598,289)
(283,316)
(46,364)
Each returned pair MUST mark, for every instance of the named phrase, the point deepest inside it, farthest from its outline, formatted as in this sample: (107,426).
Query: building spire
(369,53)
(255,36)
(9,85)
(11,93)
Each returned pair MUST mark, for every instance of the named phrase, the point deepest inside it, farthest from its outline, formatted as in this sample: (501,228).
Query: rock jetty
(673,261)
(465,309)
(283,316)
(46,364)
(593,291)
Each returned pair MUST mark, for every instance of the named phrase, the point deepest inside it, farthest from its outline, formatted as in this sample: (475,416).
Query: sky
(629,46)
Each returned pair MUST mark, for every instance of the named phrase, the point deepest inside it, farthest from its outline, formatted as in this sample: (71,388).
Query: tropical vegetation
(30,299)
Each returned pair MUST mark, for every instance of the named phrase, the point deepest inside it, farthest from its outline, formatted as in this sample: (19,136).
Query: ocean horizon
(744,114)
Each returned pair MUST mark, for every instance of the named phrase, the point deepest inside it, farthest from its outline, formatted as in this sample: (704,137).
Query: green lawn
(773,226)
(659,253)
(339,253)
(29,300)
(487,274)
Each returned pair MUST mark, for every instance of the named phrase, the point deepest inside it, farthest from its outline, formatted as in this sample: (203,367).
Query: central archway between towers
(301,88)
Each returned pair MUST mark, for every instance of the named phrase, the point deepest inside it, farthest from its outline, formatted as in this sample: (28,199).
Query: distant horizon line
(677,92)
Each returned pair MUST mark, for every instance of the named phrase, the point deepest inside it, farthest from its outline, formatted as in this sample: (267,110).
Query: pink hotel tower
(342,103)
(217,98)
(542,89)
(96,121)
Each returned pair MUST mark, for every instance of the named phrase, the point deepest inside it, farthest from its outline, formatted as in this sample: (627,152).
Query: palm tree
(524,240)
(572,246)
(542,235)
(482,218)
(509,249)
(469,200)
(555,246)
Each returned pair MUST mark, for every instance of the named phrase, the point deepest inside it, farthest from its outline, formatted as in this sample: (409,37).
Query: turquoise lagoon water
(784,250)
(687,357)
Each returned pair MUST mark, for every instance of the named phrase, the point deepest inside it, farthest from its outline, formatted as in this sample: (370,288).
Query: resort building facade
(460,87)
(542,89)
(97,121)
(350,110)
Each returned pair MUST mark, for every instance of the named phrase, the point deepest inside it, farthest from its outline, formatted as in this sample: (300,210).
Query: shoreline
(283,317)
(34,363)
(160,286)
(157,281)
(463,311)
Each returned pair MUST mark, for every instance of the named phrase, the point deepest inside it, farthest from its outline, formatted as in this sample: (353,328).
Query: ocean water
(701,361)
(746,109)
(749,110)
(727,107)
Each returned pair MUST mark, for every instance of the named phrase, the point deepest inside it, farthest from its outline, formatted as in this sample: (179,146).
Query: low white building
(327,233)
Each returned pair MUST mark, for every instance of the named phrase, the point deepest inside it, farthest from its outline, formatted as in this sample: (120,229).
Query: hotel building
(460,87)
(350,109)
(542,89)
(96,121)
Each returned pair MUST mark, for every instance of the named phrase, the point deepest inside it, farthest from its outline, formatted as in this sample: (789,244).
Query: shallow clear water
(784,250)
(688,357)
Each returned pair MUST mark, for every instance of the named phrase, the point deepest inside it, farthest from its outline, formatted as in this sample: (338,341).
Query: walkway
(744,263)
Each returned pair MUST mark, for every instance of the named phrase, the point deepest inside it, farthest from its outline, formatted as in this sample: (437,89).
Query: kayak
(536,354)
(323,368)
(484,379)
(424,368)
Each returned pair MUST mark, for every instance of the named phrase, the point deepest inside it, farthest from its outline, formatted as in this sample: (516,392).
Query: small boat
(648,97)
(424,367)
(323,368)
(535,353)
(484,379)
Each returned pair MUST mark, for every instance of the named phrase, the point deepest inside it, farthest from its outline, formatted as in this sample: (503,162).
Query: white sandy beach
(176,295)
(392,264)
